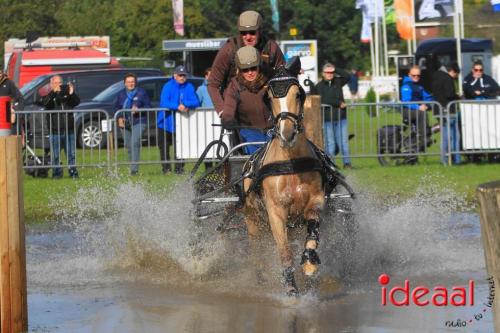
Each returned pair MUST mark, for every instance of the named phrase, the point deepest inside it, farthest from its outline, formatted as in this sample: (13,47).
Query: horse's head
(287,100)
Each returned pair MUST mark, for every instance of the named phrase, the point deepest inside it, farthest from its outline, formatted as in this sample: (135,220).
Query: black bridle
(279,87)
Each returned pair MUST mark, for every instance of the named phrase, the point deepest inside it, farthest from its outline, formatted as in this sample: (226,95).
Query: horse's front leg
(277,220)
(310,259)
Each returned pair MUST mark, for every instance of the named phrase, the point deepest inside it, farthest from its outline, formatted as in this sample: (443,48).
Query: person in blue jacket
(416,114)
(132,122)
(177,95)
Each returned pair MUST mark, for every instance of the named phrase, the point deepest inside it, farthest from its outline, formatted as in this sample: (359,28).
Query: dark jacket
(140,100)
(224,67)
(331,94)
(413,92)
(8,88)
(443,88)
(353,83)
(486,85)
(59,122)
(245,108)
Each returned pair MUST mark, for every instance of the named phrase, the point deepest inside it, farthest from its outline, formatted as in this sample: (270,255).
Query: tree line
(137,28)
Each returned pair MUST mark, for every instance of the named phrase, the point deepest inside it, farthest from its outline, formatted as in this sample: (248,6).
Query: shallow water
(147,267)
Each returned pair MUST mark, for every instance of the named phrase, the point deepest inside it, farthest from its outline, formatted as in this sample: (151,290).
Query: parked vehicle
(27,59)
(87,85)
(90,131)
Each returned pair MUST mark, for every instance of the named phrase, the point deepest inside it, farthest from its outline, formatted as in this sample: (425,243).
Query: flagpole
(376,37)
(458,31)
(384,40)
(414,30)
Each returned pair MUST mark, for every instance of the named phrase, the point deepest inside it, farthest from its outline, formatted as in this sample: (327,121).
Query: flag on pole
(178,9)
(368,9)
(276,15)
(404,18)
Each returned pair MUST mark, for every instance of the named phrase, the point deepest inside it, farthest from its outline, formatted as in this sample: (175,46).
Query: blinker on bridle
(279,86)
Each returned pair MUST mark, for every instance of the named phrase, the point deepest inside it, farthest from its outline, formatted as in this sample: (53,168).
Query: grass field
(45,197)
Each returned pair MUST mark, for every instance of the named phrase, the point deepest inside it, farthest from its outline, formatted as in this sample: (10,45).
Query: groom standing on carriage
(224,67)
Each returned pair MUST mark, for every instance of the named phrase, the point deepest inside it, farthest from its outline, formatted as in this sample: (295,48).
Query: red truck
(26,61)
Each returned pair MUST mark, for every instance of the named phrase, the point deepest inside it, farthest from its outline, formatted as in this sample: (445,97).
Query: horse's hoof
(309,268)
(292,292)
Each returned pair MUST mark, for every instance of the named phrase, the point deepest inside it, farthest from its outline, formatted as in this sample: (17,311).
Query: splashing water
(131,233)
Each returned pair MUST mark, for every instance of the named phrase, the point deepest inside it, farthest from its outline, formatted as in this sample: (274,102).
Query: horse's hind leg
(310,259)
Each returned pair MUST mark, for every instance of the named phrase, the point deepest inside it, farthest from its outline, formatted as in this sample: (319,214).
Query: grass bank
(44,198)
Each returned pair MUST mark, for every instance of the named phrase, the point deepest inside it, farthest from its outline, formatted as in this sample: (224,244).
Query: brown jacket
(224,67)
(245,108)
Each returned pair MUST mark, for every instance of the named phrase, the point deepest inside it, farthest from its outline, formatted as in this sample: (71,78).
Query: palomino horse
(295,193)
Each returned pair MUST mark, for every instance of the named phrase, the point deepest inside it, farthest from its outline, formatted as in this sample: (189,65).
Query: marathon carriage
(286,182)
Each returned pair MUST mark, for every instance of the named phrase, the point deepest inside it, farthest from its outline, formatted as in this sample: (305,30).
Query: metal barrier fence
(46,133)
(395,133)
(472,130)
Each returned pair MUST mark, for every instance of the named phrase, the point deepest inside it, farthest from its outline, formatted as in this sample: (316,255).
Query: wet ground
(147,267)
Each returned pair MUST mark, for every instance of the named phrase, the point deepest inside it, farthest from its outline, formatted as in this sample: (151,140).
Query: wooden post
(489,202)
(313,120)
(13,296)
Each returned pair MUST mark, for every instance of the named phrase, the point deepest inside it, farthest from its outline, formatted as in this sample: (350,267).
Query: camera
(64,89)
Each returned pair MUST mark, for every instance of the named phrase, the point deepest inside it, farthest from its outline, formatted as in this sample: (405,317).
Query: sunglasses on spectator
(415,75)
(329,72)
(251,32)
(181,75)
(478,70)
(251,69)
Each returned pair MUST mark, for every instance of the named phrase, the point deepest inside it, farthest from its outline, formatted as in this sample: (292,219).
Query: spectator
(478,85)
(205,101)
(354,85)
(415,114)
(443,89)
(223,68)
(9,89)
(177,95)
(335,127)
(244,99)
(132,122)
(61,125)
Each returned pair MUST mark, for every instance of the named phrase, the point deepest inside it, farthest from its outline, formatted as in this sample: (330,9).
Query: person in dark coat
(335,115)
(443,90)
(61,125)
(9,89)
(132,122)
(244,103)
(224,68)
(354,84)
(478,85)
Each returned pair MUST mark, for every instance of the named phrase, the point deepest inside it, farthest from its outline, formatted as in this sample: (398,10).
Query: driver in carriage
(244,103)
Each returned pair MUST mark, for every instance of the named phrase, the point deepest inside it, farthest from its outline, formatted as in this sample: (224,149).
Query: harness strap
(300,165)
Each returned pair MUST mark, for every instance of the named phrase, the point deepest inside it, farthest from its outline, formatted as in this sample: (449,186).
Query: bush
(371,98)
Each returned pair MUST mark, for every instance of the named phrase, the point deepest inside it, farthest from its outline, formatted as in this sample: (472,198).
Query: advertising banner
(308,53)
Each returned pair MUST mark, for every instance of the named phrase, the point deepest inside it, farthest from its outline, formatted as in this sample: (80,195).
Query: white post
(414,30)
(458,32)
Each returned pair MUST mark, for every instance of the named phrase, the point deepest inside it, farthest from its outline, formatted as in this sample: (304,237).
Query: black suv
(89,130)
(87,84)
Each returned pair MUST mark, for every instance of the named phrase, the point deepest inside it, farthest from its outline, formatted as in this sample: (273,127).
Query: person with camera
(62,124)
(132,121)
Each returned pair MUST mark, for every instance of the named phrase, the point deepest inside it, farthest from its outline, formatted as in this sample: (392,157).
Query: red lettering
(384,296)
(458,292)
(471,292)
(406,293)
(418,293)
(440,292)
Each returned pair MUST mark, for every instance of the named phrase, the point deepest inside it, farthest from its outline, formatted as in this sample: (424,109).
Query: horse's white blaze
(283,108)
